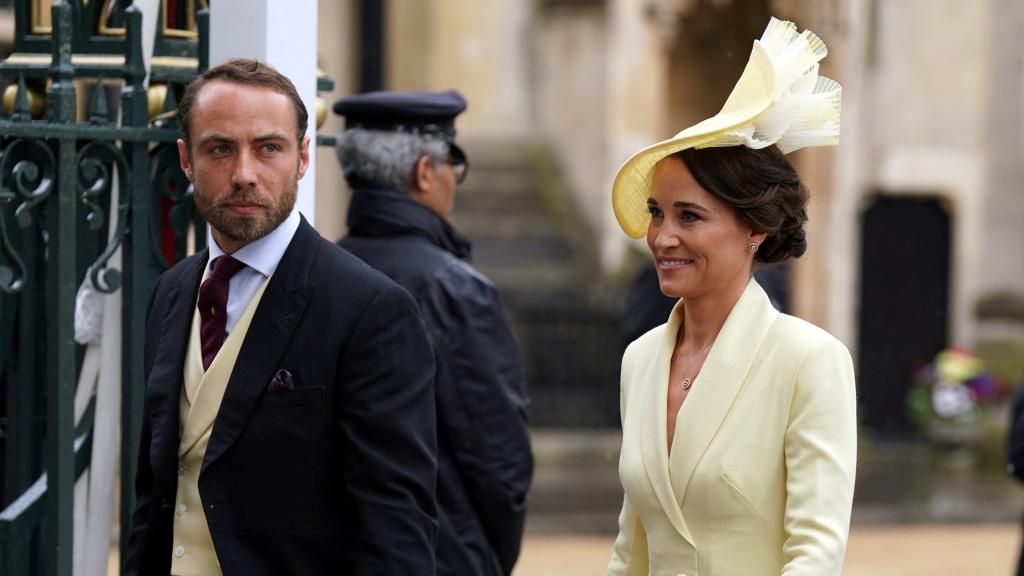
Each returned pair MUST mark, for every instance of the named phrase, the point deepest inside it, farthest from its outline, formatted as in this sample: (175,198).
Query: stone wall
(479,48)
(932,105)
(927,132)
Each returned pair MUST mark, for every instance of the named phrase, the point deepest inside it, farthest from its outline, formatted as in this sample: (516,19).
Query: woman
(739,424)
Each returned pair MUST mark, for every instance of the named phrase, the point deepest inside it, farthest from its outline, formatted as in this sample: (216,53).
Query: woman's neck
(704,316)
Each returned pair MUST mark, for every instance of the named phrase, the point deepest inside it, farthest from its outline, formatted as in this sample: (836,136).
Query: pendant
(687,383)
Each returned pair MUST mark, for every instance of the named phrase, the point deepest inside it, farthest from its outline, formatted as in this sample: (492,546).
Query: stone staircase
(514,207)
(537,248)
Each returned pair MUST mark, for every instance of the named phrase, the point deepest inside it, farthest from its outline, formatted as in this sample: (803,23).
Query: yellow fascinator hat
(779,99)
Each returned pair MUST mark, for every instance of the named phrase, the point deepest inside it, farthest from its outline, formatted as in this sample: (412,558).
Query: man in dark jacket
(289,418)
(1015,445)
(399,157)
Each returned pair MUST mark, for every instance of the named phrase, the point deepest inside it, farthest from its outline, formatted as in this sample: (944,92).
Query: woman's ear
(758,237)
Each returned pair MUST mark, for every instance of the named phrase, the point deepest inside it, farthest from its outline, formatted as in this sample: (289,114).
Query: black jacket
(334,476)
(1015,442)
(484,458)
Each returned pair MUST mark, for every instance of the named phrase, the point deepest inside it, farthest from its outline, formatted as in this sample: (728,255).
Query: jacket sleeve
(143,472)
(821,459)
(386,414)
(631,537)
(482,402)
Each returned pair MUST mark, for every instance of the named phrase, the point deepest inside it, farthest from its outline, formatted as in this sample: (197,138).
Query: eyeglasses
(460,166)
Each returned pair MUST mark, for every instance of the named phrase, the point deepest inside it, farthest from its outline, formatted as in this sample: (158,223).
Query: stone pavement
(873,550)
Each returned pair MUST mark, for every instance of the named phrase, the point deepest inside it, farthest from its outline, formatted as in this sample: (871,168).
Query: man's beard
(246,228)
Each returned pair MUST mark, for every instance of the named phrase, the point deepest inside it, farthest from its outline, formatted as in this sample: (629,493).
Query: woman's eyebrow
(690,206)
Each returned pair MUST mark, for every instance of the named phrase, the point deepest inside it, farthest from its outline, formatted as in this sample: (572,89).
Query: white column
(281,33)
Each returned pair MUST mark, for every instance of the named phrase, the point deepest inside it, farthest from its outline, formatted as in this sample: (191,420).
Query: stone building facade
(922,200)
(916,218)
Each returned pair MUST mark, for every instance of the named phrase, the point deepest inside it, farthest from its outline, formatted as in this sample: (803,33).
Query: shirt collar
(265,254)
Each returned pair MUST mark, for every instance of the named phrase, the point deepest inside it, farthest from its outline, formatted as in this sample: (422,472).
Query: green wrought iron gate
(62,155)
(82,129)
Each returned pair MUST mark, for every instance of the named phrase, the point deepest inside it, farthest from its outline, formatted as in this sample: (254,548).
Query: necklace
(692,363)
(687,383)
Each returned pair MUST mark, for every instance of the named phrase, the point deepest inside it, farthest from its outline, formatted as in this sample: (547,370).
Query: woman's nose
(665,237)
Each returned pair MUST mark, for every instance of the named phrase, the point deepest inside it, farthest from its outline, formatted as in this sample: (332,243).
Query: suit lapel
(719,382)
(273,323)
(163,387)
(654,435)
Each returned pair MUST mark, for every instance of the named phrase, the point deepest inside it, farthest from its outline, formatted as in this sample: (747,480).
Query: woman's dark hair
(764,190)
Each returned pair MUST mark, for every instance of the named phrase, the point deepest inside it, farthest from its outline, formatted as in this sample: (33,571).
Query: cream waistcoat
(192,551)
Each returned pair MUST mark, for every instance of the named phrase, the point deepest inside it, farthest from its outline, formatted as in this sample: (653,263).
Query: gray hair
(385,159)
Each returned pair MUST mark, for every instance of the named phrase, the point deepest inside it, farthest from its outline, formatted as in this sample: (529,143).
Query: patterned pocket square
(283,380)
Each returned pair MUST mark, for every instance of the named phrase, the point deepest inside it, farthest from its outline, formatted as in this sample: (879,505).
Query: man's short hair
(385,159)
(248,72)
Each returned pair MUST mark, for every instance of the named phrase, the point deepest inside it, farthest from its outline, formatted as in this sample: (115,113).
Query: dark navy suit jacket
(333,476)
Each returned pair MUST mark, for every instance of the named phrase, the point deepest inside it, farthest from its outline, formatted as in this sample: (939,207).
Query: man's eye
(270,148)
(219,149)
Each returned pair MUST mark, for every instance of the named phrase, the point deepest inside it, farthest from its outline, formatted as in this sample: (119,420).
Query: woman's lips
(670,264)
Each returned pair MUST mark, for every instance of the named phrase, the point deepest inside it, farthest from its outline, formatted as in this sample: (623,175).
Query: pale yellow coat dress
(761,474)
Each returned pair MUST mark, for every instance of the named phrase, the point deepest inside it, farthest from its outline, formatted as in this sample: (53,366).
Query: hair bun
(790,240)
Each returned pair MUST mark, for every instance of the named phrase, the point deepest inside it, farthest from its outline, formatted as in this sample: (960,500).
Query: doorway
(904,301)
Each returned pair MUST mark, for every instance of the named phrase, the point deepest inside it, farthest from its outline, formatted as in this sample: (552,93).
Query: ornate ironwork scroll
(94,182)
(26,171)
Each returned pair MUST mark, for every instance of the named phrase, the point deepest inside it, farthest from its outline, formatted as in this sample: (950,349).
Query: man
(1015,449)
(399,156)
(289,422)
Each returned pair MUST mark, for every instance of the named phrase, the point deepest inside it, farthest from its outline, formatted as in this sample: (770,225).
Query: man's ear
(303,157)
(184,160)
(421,181)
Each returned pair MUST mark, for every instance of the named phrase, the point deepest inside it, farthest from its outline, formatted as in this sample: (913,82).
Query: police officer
(399,156)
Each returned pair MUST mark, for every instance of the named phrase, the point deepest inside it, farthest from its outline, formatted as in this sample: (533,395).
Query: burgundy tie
(213,306)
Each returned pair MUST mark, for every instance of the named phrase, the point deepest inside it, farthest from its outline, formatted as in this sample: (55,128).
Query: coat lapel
(283,303)
(163,386)
(718,383)
(654,435)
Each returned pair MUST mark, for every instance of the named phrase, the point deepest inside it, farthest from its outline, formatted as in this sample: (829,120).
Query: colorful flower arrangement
(952,394)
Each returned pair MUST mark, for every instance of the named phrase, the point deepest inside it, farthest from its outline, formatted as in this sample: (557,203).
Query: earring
(752,247)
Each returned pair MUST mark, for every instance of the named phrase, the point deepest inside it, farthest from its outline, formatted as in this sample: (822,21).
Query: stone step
(526,281)
(502,210)
(499,153)
(506,225)
(498,205)
(527,249)
(503,191)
